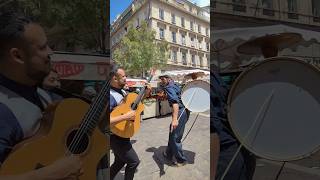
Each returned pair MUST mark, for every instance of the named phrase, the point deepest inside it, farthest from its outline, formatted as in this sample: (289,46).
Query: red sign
(66,69)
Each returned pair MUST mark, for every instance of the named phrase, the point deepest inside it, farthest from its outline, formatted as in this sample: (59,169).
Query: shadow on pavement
(161,160)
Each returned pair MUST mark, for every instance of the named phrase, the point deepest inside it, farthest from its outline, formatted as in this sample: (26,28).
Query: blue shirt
(11,132)
(219,122)
(113,103)
(173,92)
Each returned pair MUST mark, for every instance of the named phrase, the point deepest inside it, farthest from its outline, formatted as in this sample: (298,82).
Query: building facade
(184,25)
(303,14)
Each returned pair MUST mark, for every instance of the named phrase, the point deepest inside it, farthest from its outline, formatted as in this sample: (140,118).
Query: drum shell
(268,133)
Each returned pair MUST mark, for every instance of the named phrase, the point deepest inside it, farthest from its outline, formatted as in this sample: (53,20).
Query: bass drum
(195,96)
(274,109)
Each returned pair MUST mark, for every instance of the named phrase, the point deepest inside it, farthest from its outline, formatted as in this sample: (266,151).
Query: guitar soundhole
(80,144)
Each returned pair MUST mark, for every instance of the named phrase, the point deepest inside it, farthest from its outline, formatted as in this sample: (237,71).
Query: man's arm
(175,112)
(64,168)
(127,116)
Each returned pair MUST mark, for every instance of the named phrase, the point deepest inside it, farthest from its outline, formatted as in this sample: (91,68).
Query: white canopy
(185,72)
(225,42)
(179,75)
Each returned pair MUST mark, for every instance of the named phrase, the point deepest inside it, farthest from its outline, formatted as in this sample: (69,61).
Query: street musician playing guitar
(24,63)
(121,147)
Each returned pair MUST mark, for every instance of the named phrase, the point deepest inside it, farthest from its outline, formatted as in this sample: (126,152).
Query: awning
(225,42)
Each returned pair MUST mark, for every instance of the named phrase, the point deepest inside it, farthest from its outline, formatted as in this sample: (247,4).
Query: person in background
(89,92)
(52,82)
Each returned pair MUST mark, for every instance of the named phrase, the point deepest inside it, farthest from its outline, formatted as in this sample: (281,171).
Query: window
(239,5)
(174,39)
(138,22)
(174,56)
(292,6)
(293,9)
(199,28)
(190,8)
(267,4)
(191,25)
(316,8)
(183,39)
(207,46)
(193,60)
(184,58)
(201,61)
(192,41)
(161,14)
(182,22)
(200,44)
(161,33)
(173,19)
(207,31)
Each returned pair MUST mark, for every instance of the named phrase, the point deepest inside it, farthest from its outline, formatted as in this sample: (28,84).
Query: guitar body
(43,150)
(126,129)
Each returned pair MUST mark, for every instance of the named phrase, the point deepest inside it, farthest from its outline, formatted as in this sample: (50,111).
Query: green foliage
(138,51)
(70,24)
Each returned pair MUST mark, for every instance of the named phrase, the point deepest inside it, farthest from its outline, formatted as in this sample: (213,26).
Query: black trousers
(124,154)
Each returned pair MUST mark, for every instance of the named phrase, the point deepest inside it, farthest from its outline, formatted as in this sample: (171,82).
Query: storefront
(78,71)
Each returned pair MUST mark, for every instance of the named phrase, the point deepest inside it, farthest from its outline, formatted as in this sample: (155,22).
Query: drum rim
(191,82)
(232,91)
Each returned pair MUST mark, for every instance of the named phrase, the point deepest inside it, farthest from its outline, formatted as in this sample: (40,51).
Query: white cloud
(201,3)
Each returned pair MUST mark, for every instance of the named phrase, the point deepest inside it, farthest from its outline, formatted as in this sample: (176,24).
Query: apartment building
(184,25)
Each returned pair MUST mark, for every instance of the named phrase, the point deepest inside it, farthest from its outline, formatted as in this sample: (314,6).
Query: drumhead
(195,96)
(274,109)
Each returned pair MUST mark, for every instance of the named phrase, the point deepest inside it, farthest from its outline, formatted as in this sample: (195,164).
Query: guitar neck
(96,109)
(140,96)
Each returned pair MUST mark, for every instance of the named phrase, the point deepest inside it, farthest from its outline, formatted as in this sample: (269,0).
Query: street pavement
(152,140)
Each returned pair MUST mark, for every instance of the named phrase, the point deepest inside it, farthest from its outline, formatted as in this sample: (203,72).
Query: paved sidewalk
(151,141)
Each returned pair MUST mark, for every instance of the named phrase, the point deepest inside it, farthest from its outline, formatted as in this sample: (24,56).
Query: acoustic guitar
(132,101)
(72,132)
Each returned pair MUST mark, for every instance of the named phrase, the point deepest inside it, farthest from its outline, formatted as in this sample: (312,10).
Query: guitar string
(80,132)
(75,145)
(91,114)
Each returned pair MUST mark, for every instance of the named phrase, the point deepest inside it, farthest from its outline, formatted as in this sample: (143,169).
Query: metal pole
(218,60)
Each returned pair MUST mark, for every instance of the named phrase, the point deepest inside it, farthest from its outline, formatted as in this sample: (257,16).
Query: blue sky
(118,6)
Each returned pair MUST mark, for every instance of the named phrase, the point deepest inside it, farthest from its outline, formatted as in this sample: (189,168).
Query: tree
(138,50)
(69,24)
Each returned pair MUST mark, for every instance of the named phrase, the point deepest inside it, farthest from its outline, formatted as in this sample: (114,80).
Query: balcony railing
(268,12)
(293,15)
